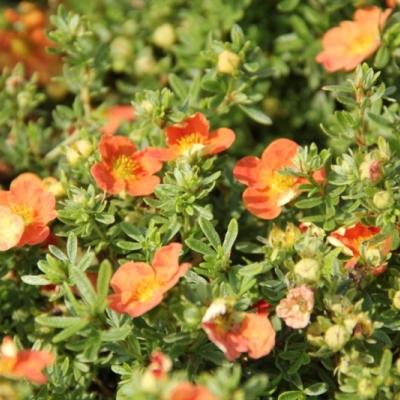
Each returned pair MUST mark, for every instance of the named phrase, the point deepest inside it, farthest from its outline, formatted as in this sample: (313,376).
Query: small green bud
(382,199)
(307,269)
(336,337)
(228,62)
(367,388)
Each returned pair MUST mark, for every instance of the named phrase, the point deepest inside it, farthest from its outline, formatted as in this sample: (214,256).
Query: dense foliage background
(75,71)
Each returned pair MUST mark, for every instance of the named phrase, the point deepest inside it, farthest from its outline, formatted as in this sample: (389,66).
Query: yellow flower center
(124,167)
(25,212)
(192,143)
(144,291)
(283,187)
(361,44)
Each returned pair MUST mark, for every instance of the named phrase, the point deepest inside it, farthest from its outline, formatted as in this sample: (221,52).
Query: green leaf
(57,253)
(116,334)
(70,331)
(199,247)
(102,284)
(231,235)
(210,233)
(256,115)
(84,286)
(57,322)
(385,364)
(292,395)
(178,86)
(316,389)
(36,280)
(308,203)
(72,247)
(288,5)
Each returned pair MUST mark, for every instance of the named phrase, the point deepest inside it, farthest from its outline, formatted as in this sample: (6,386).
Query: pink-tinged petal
(246,170)
(11,228)
(279,154)
(220,140)
(144,186)
(166,259)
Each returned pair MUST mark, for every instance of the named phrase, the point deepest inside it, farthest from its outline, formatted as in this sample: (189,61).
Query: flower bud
(307,269)
(396,303)
(366,388)
(371,169)
(72,156)
(54,186)
(145,64)
(120,50)
(84,147)
(382,199)
(164,36)
(336,337)
(383,149)
(276,237)
(228,62)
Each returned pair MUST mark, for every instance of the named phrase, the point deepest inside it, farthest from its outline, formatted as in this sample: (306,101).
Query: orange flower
(139,287)
(268,189)
(125,169)
(25,41)
(31,204)
(392,3)
(28,364)
(193,136)
(295,309)
(352,239)
(188,391)
(160,365)
(350,43)
(115,116)
(235,333)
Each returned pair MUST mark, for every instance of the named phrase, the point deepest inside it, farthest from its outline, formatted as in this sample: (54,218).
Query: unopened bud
(366,388)
(383,149)
(228,62)
(307,269)
(164,36)
(382,199)
(54,186)
(396,302)
(84,147)
(72,156)
(336,337)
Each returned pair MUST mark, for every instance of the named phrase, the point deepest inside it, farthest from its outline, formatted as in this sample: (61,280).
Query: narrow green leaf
(35,280)
(231,235)
(210,233)
(103,281)
(57,322)
(70,331)
(72,247)
(256,115)
(199,247)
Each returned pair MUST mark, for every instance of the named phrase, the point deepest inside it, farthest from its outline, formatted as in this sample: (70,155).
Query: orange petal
(259,204)
(30,365)
(196,123)
(246,170)
(117,115)
(148,162)
(220,140)
(34,233)
(129,275)
(260,334)
(143,186)
(11,228)
(105,180)
(113,146)
(279,154)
